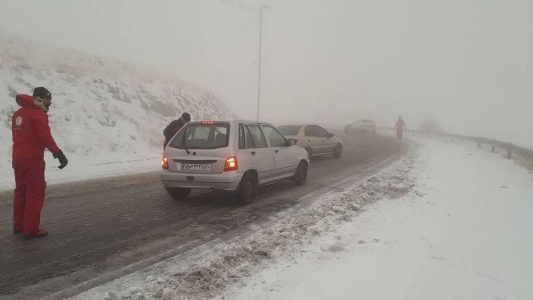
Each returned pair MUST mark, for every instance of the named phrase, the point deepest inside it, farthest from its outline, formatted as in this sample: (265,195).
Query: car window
(321,132)
(242,140)
(249,140)
(275,138)
(289,129)
(310,131)
(256,135)
(198,133)
(315,131)
(202,136)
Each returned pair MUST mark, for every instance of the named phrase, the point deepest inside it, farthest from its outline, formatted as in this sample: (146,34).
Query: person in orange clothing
(400,127)
(31,135)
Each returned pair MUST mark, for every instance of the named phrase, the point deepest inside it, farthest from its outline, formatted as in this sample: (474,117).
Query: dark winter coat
(172,128)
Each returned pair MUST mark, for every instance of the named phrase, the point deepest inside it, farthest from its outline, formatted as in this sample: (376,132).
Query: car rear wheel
(178,193)
(247,192)
(300,176)
(337,153)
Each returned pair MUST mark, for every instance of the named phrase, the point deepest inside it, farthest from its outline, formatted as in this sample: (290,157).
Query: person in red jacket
(400,127)
(31,135)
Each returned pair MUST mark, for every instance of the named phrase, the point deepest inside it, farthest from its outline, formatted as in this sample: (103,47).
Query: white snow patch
(464,232)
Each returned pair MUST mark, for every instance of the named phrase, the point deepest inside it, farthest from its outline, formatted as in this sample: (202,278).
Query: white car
(316,140)
(232,156)
(362,126)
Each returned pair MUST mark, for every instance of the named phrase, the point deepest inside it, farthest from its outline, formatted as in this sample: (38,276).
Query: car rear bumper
(228,181)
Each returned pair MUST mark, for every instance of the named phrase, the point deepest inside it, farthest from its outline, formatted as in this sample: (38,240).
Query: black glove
(63,161)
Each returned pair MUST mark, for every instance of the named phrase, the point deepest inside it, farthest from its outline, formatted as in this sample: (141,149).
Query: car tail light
(231,164)
(208,122)
(164,163)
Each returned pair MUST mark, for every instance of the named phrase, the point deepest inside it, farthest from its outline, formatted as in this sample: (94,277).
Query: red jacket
(31,133)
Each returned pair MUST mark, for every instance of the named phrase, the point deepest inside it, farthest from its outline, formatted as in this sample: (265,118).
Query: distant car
(362,126)
(231,156)
(316,140)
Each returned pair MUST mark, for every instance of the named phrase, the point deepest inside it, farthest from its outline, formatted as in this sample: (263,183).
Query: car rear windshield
(289,129)
(202,136)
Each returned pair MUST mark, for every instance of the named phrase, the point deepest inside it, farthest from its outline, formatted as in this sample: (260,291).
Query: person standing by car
(175,126)
(31,135)
(400,127)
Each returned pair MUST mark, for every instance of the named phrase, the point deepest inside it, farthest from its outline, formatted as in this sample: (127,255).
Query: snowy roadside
(464,232)
(206,271)
(107,116)
(84,168)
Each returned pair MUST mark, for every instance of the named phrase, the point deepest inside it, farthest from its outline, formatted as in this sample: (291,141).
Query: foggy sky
(467,64)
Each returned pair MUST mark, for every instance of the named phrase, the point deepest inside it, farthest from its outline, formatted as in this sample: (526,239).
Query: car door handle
(253,152)
(276,151)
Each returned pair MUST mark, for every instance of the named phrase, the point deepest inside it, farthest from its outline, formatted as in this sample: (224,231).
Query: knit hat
(186,117)
(42,93)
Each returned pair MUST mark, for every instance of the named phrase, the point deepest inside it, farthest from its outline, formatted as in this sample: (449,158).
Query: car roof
(227,121)
(301,125)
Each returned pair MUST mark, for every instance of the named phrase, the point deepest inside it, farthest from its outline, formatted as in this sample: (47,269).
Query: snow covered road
(463,232)
(104,229)
(447,221)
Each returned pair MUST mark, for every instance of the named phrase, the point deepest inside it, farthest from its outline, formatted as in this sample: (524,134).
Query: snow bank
(464,232)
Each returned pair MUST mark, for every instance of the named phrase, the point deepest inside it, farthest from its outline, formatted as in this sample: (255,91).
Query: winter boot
(41,233)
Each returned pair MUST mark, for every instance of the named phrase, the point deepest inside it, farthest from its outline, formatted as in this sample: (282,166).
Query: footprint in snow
(335,248)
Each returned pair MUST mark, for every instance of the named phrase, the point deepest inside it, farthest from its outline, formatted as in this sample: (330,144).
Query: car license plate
(196,167)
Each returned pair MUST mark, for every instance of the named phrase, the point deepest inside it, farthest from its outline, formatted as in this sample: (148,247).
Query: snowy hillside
(103,110)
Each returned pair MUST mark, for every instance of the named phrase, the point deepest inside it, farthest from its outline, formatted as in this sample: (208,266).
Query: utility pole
(260,50)
(259,58)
